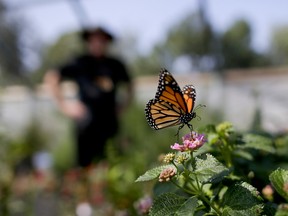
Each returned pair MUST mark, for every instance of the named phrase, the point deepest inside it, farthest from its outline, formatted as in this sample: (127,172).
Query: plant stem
(226,152)
(184,189)
(4,200)
(203,198)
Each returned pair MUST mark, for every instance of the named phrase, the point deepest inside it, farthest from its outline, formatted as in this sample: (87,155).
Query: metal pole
(80,13)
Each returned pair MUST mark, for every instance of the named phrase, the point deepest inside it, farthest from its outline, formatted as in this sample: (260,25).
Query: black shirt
(97,79)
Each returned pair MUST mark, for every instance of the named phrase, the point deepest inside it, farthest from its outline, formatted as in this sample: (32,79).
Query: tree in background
(236,45)
(151,63)
(279,46)
(52,55)
(236,49)
(11,65)
(192,37)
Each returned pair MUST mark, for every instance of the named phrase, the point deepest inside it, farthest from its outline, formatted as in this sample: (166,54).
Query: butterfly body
(171,106)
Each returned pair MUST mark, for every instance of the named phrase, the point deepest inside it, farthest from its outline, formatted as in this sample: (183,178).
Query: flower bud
(167,174)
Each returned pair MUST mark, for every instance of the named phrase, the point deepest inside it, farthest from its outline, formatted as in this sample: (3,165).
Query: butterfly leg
(177,134)
(191,129)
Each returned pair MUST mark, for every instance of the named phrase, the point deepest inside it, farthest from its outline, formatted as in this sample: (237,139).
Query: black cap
(86,33)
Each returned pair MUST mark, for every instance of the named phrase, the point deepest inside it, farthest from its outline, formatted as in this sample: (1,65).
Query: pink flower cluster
(191,142)
(167,174)
(143,205)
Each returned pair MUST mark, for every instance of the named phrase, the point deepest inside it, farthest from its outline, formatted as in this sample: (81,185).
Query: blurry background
(235,53)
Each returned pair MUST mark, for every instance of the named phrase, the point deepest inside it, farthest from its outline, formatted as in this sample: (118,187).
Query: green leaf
(209,169)
(172,204)
(279,180)
(253,211)
(188,208)
(243,154)
(258,142)
(269,209)
(166,204)
(164,187)
(242,199)
(213,138)
(282,210)
(152,174)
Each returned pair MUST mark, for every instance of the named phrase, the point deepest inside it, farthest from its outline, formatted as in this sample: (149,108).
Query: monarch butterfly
(171,106)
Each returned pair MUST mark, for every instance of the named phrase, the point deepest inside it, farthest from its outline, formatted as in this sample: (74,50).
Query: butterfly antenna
(198,117)
(199,106)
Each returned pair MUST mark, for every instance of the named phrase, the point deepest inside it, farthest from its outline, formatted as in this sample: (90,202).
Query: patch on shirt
(104,83)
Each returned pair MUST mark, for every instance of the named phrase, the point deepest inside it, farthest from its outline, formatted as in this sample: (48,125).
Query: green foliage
(17,149)
(279,180)
(16,156)
(194,30)
(172,204)
(236,49)
(232,147)
(152,173)
(121,191)
(145,65)
(242,199)
(209,170)
(279,46)
(258,142)
(282,211)
(193,37)
(132,151)
(11,65)
(219,182)
(63,148)
(224,177)
(64,49)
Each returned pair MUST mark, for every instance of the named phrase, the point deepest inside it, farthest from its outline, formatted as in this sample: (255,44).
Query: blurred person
(98,77)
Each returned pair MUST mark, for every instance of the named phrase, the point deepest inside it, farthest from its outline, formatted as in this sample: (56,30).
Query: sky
(149,20)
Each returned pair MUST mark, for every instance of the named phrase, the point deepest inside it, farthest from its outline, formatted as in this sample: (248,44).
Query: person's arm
(52,82)
(71,108)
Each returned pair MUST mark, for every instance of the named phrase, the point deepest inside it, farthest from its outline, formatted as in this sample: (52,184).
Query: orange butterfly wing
(171,106)
(169,90)
(161,114)
(189,94)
